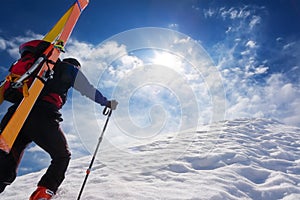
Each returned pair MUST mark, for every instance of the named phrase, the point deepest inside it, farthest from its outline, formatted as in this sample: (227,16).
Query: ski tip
(82,4)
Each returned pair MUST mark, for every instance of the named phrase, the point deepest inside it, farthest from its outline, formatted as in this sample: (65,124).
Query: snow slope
(239,159)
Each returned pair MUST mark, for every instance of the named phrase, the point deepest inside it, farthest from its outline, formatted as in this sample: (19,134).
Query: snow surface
(239,159)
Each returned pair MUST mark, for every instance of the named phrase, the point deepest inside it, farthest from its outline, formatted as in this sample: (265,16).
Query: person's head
(72,61)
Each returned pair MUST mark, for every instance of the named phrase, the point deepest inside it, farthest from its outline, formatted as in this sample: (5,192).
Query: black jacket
(67,76)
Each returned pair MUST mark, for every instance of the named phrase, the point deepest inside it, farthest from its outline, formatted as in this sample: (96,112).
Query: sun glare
(166,59)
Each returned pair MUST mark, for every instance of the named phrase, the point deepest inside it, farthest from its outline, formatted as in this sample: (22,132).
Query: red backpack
(30,52)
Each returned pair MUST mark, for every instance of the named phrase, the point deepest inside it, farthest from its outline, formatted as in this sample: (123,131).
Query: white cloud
(251,44)
(228,13)
(239,19)
(2,44)
(234,13)
(209,12)
(278,99)
(289,46)
(173,26)
(281,92)
(279,39)
(250,90)
(254,21)
(261,70)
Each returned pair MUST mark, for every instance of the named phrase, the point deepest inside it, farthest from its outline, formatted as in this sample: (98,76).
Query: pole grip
(107,111)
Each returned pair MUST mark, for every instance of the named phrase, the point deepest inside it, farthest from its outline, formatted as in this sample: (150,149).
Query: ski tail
(58,36)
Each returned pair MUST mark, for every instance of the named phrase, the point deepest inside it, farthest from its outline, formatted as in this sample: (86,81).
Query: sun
(166,59)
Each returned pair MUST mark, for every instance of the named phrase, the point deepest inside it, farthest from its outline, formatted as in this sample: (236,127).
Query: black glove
(112,104)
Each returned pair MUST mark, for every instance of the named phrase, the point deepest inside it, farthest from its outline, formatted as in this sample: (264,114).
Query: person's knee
(62,158)
(67,155)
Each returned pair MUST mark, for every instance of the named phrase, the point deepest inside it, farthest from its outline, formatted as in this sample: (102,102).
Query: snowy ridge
(239,159)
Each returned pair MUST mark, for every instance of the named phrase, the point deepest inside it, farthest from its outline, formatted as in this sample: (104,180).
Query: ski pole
(107,111)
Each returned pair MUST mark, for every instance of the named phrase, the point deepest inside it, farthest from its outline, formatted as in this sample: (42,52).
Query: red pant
(41,127)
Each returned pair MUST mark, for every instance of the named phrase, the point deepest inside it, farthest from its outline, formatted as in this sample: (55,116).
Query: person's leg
(8,167)
(9,162)
(60,155)
(51,138)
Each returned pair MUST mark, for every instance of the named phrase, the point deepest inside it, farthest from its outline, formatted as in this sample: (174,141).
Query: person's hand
(112,104)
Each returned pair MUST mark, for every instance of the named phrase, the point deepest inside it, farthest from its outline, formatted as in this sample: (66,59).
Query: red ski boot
(41,193)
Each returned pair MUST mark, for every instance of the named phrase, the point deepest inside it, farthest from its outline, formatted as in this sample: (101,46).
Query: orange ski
(58,36)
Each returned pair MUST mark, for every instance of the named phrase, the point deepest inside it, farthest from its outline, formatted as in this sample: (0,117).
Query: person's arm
(82,85)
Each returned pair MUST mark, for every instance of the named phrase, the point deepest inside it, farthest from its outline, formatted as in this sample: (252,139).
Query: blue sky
(230,59)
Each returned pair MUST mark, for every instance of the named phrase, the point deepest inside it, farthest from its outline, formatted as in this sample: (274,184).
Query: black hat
(72,61)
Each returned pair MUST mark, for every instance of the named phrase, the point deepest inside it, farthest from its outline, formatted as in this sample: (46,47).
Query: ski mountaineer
(43,127)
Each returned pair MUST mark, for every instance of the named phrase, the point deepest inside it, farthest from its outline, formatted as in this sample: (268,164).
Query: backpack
(30,52)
